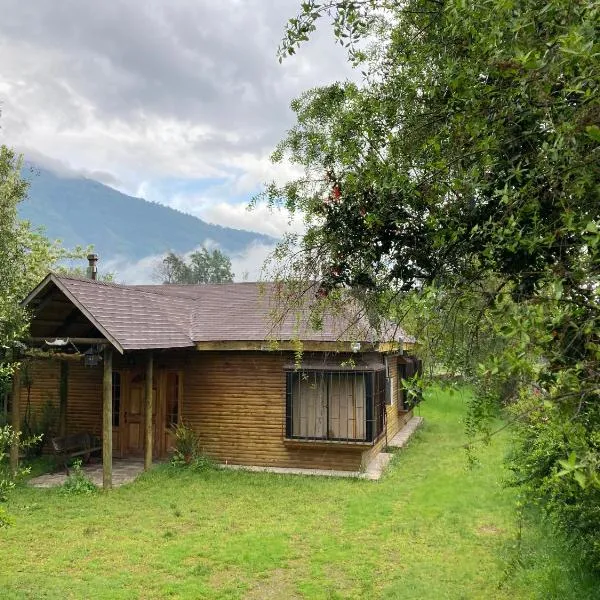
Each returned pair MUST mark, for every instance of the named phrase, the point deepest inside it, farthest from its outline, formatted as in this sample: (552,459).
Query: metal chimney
(92,270)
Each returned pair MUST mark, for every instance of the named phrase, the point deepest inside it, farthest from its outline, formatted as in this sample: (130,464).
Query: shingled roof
(135,317)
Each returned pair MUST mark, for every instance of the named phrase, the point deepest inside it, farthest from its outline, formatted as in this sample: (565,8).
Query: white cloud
(249,265)
(138,93)
(156,89)
(260,218)
(246,266)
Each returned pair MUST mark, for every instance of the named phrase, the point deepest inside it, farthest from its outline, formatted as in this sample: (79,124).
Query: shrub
(7,477)
(188,450)
(78,482)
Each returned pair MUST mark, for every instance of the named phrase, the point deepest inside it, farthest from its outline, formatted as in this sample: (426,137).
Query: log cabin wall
(84,404)
(40,386)
(236,403)
(234,400)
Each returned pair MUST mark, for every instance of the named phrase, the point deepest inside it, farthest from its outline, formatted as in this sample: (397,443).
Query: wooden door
(133,415)
(133,418)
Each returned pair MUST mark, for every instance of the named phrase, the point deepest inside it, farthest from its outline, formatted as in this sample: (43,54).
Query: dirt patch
(275,585)
(489,530)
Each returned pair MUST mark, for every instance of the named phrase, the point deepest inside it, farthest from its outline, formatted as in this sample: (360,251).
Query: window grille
(172,399)
(331,405)
(116,398)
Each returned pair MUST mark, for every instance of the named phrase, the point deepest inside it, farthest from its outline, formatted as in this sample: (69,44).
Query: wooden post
(16,419)
(107,401)
(63,397)
(148,413)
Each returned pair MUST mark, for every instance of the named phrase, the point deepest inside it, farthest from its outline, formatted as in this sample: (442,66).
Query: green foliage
(26,256)
(460,182)
(202,266)
(7,476)
(77,482)
(39,424)
(187,451)
(76,271)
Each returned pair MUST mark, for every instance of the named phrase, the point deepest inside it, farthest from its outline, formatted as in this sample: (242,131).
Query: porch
(124,470)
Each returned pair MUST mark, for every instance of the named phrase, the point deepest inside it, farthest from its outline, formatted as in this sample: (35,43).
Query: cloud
(246,266)
(149,89)
(260,218)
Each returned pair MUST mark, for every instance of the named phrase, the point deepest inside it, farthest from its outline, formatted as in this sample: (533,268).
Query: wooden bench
(77,444)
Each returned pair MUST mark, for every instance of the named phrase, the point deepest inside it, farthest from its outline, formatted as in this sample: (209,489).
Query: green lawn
(430,528)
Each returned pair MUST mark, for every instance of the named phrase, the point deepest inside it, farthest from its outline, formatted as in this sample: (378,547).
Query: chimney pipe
(92,270)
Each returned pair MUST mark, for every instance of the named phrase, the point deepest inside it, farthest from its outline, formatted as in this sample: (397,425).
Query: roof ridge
(88,280)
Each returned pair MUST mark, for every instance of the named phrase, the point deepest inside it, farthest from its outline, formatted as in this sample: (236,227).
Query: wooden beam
(75,340)
(63,397)
(148,413)
(107,402)
(16,420)
(307,346)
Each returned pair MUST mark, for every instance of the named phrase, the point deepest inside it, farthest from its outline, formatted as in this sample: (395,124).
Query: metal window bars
(334,405)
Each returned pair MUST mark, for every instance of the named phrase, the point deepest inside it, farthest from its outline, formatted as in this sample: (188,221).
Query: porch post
(107,420)
(148,412)
(16,419)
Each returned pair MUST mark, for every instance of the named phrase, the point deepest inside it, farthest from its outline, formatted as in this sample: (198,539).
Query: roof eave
(51,278)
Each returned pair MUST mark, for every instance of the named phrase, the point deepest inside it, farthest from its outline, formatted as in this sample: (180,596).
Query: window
(406,370)
(116,398)
(330,405)
(172,399)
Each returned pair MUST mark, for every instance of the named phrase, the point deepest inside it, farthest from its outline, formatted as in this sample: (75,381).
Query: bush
(78,482)
(566,489)
(188,450)
(7,477)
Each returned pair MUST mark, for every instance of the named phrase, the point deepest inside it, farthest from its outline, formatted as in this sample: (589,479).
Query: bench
(76,444)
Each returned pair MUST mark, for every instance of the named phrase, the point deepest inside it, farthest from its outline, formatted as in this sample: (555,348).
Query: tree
(470,155)
(202,266)
(25,258)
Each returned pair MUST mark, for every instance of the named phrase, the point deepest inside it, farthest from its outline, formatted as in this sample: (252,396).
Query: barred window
(410,367)
(116,398)
(172,399)
(330,405)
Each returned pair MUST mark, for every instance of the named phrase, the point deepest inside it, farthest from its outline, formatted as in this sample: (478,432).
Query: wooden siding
(84,403)
(40,384)
(235,401)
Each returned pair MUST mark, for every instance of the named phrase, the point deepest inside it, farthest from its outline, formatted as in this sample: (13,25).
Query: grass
(430,528)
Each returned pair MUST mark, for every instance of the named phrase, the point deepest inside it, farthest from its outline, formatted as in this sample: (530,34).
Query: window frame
(375,409)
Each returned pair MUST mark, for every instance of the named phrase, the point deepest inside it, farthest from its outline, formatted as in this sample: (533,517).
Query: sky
(177,101)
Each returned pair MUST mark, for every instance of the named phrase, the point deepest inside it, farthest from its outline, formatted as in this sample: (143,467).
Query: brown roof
(178,316)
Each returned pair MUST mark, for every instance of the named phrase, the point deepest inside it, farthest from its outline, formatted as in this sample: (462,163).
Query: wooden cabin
(209,356)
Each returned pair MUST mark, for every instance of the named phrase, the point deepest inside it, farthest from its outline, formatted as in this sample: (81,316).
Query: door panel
(132,430)
(134,421)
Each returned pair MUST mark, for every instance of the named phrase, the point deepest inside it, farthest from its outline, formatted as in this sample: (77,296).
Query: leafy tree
(202,266)
(25,258)
(470,155)
(82,272)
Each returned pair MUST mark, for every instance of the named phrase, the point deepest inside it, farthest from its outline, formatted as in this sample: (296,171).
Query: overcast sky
(178,101)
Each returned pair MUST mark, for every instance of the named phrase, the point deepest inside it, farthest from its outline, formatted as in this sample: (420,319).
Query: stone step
(402,437)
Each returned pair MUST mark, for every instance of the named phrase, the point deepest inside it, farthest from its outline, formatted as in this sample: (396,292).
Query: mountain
(82,211)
